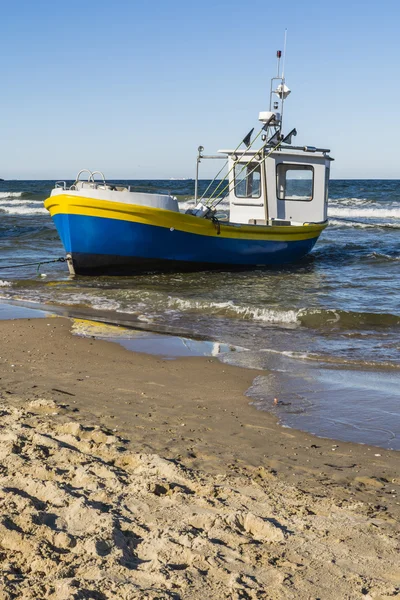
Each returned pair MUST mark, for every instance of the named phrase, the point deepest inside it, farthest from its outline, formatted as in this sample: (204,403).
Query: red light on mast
(279,54)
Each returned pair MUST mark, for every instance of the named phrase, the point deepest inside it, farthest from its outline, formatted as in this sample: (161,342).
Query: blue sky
(132,88)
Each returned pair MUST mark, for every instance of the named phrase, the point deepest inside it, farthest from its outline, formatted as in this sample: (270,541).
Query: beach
(127,475)
(199,303)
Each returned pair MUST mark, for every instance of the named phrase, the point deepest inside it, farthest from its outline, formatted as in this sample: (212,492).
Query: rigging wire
(263,128)
(218,200)
(223,167)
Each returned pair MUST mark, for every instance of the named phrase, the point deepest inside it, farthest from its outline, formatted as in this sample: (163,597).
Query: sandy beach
(126,475)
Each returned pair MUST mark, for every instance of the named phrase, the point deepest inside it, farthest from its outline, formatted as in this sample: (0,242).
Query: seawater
(326,329)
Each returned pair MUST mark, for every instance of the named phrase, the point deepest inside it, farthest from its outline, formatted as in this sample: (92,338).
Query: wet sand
(131,476)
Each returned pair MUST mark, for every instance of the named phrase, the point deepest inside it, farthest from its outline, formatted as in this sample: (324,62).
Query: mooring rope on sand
(39,263)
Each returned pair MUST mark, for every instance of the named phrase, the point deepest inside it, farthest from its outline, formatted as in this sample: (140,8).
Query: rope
(216,224)
(42,262)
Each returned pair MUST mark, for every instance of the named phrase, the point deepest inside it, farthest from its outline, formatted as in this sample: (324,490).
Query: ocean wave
(335,360)
(351,201)
(11,194)
(229,309)
(9,202)
(23,210)
(312,318)
(368,202)
(383,257)
(346,253)
(365,213)
(338,222)
(5,283)
(327,318)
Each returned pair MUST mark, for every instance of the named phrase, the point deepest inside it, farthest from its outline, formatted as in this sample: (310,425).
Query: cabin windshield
(295,182)
(247,180)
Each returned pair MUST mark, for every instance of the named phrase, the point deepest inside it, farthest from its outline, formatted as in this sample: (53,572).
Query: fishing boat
(277,195)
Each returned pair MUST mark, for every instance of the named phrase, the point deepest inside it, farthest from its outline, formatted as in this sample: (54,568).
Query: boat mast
(283,96)
(281,90)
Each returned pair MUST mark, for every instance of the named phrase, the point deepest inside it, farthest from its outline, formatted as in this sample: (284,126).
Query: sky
(132,88)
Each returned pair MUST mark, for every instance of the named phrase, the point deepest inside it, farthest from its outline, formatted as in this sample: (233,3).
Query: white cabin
(290,184)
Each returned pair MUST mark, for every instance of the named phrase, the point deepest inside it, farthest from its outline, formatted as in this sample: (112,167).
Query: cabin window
(295,182)
(247,180)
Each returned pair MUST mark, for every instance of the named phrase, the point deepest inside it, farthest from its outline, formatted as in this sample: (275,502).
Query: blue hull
(101,245)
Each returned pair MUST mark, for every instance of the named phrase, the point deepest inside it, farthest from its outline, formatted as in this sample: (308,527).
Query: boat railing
(103,185)
(90,180)
(98,173)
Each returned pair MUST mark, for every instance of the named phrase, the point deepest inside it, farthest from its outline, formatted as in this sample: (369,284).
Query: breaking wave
(229,309)
(383,257)
(358,224)
(311,318)
(22,209)
(7,202)
(365,213)
(12,194)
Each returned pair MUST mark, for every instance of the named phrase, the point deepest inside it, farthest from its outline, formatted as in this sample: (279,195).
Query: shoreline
(22,311)
(159,390)
(162,341)
(328,497)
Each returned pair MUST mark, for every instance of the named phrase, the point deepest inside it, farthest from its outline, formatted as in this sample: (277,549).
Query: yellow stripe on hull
(68,204)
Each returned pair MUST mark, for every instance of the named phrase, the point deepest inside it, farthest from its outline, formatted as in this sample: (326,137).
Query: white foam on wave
(23,210)
(229,309)
(357,202)
(288,353)
(5,283)
(90,301)
(350,224)
(11,194)
(11,203)
(366,213)
(380,255)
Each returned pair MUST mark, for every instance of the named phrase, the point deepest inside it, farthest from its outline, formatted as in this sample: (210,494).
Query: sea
(323,335)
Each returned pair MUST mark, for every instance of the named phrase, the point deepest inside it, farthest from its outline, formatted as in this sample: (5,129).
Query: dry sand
(128,476)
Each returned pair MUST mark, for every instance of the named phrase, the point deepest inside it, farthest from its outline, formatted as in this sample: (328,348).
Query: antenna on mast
(278,56)
(281,90)
(284,55)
